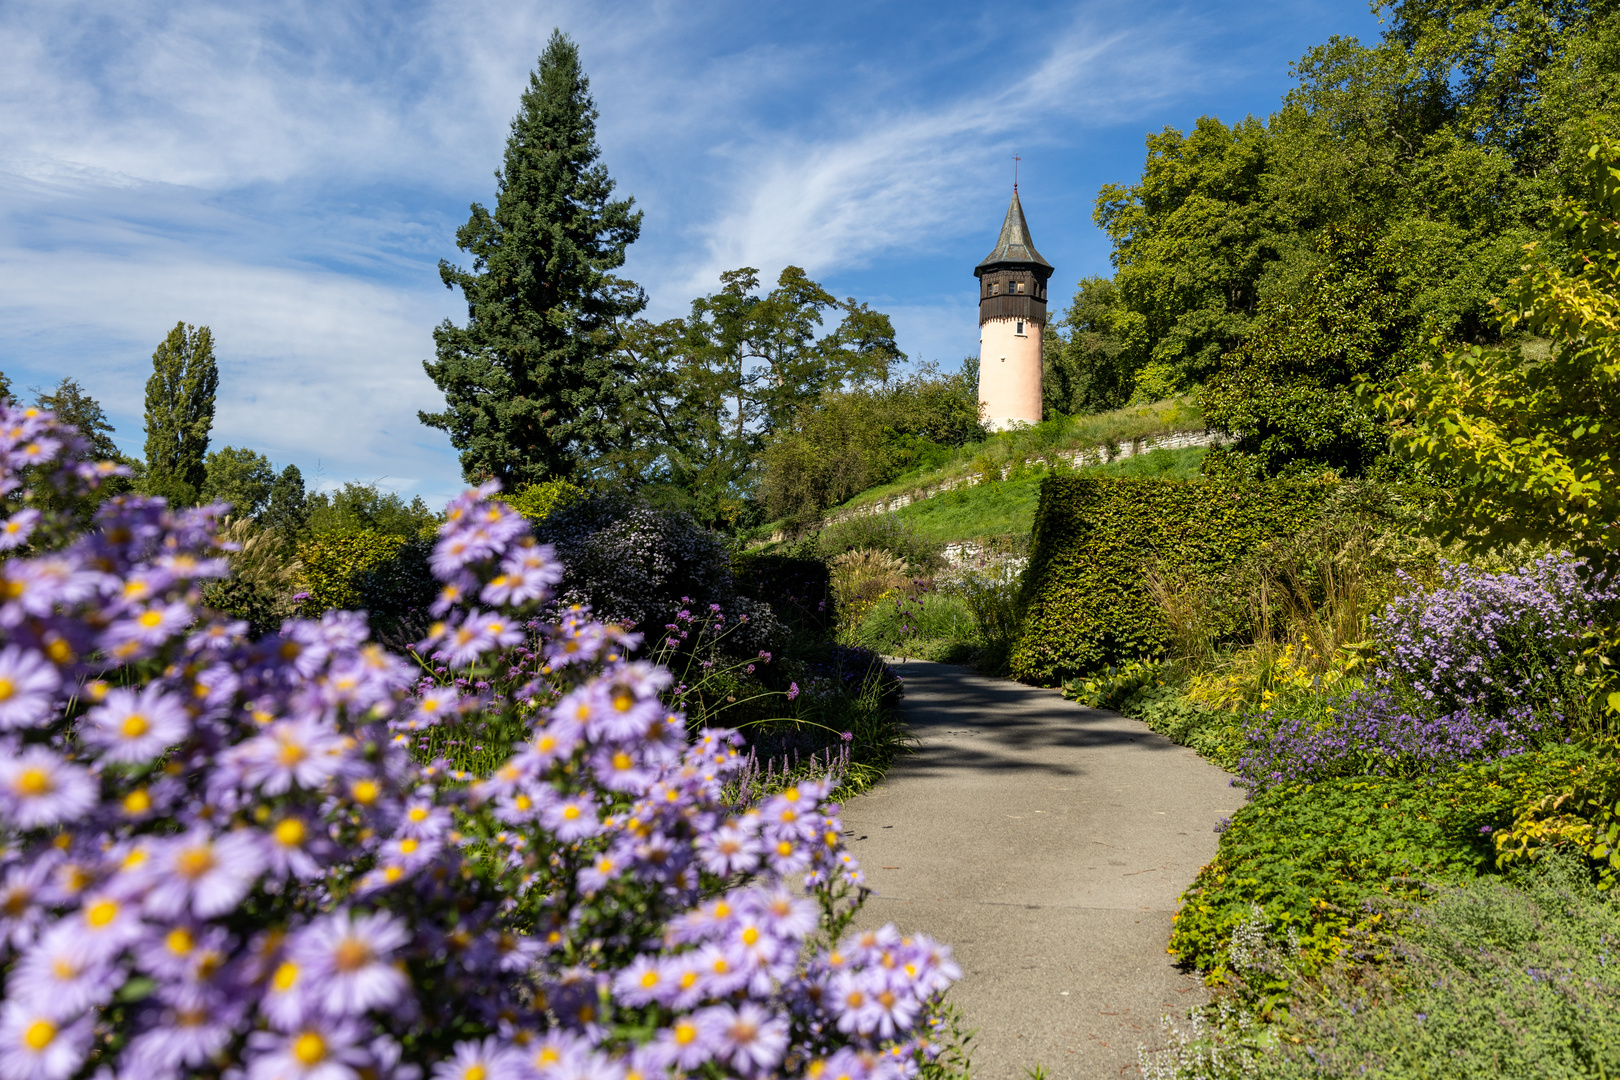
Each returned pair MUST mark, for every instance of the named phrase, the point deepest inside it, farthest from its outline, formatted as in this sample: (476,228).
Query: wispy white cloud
(289,172)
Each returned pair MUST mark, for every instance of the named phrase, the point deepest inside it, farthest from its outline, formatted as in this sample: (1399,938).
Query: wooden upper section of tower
(1012,278)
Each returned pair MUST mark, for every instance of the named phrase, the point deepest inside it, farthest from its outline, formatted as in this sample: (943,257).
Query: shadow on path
(1047,844)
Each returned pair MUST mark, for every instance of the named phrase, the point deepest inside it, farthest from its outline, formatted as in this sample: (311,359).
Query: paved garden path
(1047,844)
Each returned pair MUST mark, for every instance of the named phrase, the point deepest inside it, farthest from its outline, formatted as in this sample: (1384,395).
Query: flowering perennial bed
(221,858)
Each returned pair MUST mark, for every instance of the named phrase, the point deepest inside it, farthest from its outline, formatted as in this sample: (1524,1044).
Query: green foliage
(336,560)
(244,478)
(1510,979)
(1288,393)
(1534,441)
(1312,856)
(362,508)
(1580,817)
(287,510)
(73,406)
(713,388)
(1443,142)
(536,501)
(846,441)
(1085,597)
(998,508)
(1088,371)
(879,532)
(180,414)
(1110,687)
(531,383)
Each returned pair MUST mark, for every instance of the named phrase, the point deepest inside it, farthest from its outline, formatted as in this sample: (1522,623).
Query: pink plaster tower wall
(1012,316)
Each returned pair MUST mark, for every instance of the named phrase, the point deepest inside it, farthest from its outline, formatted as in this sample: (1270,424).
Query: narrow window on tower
(1020,327)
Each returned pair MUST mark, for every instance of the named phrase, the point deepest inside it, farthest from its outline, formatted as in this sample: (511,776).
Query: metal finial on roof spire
(1016,160)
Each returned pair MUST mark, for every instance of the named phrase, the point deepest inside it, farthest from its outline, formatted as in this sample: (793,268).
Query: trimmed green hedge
(1084,600)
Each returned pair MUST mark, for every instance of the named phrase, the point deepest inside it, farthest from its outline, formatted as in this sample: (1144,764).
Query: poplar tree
(531,383)
(180,414)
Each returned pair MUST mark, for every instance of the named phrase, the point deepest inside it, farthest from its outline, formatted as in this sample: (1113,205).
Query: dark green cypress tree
(180,414)
(531,383)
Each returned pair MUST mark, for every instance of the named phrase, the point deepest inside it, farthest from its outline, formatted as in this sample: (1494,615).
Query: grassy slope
(1007,507)
(1044,440)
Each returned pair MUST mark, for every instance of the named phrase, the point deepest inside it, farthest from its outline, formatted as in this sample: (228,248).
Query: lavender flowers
(220,857)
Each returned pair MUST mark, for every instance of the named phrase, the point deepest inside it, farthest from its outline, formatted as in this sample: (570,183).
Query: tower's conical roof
(1014,245)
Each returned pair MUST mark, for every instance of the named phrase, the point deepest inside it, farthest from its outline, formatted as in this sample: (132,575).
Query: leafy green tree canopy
(530,383)
(240,477)
(362,507)
(180,414)
(73,405)
(1533,436)
(713,387)
(287,509)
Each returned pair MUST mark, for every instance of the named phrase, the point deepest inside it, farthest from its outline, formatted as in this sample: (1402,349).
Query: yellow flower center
(179,941)
(418,814)
(522,802)
(408,845)
(622,700)
(649,980)
(886,999)
(39,1034)
(570,812)
(59,651)
(151,619)
(475,1072)
(621,760)
(34,782)
(135,726)
(194,862)
(721,909)
(7,688)
(291,754)
(309,1048)
(285,976)
(688,980)
(101,913)
(137,802)
(291,832)
(750,935)
(784,849)
(365,792)
(685,1033)
(351,954)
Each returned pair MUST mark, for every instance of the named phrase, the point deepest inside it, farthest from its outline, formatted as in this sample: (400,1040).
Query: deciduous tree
(180,414)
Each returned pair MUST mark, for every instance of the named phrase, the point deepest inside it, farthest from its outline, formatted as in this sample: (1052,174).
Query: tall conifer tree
(531,382)
(180,413)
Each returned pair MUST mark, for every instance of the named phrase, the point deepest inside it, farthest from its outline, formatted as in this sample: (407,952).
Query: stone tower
(1012,316)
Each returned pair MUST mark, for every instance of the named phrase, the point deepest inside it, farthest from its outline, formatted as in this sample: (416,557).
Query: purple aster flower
(303,751)
(38,788)
(792,690)
(21,913)
(17,528)
(321,1050)
(62,974)
(37,1045)
(199,871)
(146,628)
(683,1045)
(570,819)
(348,960)
(28,684)
(485,1060)
(134,727)
(730,849)
(184,1038)
(783,914)
(749,1038)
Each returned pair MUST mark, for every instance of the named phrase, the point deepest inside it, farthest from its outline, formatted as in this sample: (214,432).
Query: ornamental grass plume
(230,858)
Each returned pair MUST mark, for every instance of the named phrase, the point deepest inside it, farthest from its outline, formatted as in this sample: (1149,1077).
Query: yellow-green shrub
(536,501)
(333,564)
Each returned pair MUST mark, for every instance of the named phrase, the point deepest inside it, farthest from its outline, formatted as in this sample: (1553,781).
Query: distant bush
(880,532)
(637,565)
(798,589)
(849,440)
(1085,596)
(535,501)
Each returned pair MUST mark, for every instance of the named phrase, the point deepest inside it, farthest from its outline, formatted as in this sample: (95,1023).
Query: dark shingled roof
(1014,244)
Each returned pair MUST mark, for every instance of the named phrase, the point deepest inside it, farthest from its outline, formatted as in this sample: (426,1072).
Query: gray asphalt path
(1047,844)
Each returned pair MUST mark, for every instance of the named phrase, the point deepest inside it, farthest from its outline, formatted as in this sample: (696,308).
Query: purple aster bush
(1483,665)
(230,858)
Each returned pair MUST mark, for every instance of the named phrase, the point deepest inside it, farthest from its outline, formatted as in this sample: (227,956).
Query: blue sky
(291,173)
